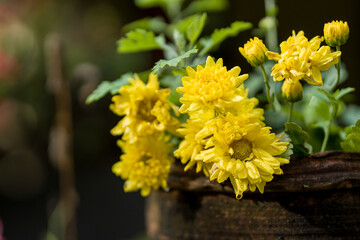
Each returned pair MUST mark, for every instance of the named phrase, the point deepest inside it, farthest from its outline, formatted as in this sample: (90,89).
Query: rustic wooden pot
(318,197)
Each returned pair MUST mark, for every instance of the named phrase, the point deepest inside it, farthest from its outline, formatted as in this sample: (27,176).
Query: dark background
(90,29)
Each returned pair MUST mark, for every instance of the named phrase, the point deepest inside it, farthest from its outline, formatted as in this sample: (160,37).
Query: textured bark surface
(318,197)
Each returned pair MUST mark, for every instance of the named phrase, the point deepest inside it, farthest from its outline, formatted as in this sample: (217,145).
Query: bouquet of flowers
(191,108)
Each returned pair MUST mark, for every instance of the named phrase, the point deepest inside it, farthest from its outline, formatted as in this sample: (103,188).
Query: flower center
(144,109)
(145,159)
(242,149)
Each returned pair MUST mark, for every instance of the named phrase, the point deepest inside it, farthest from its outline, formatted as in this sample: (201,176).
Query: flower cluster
(225,135)
(146,110)
(301,59)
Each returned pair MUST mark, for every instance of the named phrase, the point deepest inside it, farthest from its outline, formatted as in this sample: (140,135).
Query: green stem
(291,108)
(271,35)
(333,107)
(266,80)
(338,71)
(333,110)
(326,138)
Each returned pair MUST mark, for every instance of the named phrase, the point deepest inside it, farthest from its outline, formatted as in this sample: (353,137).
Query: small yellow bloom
(336,33)
(292,91)
(320,60)
(254,52)
(301,59)
(145,107)
(210,87)
(245,153)
(145,164)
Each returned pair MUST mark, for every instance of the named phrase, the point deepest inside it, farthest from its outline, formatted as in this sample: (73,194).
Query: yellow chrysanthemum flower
(210,87)
(190,146)
(254,52)
(246,107)
(247,154)
(336,33)
(194,140)
(145,107)
(145,164)
(302,59)
(321,60)
(294,44)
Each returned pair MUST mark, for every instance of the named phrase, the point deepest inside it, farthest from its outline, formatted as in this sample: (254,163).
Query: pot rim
(315,172)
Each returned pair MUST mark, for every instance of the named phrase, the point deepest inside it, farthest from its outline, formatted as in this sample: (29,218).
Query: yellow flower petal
(252,170)
(263,166)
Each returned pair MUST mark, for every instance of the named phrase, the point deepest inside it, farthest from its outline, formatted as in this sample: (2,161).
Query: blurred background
(52,56)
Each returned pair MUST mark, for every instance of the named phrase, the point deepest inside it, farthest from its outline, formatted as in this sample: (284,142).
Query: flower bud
(255,52)
(336,33)
(292,91)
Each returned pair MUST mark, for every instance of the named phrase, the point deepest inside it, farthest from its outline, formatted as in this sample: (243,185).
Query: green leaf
(172,82)
(183,24)
(194,30)
(352,141)
(219,35)
(172,62)
(144,76)
(118,83)
(156,3)
(174,97)
(99,92)
(328,95)
(139,40)
(342,92)
(323,124)
(275,119)
(289,151)
(108,87)
(156,24)
(179,72)
(179,40)
(168,49)
(316,110)
(330,76)
(206,6)
(298,139)
(333,100)
(350,115)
